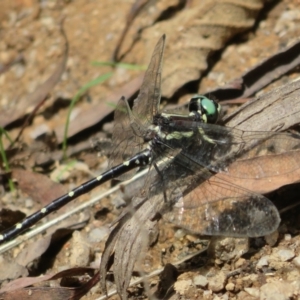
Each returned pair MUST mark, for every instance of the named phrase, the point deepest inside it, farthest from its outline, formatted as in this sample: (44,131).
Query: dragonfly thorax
(151,132)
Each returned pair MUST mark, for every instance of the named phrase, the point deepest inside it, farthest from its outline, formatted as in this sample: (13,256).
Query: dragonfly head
(204,109)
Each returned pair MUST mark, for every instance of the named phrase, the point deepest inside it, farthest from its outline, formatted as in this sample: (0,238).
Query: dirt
(263,269)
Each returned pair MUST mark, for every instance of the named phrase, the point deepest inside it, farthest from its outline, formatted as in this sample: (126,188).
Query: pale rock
(230,286)
(285,254)
(254,292)
(296,261)
(263,262)
(182,286)
(200,281)
(278,290)
(216,283)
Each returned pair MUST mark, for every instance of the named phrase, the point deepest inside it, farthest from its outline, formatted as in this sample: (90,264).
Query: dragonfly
(129,137)
(181,151)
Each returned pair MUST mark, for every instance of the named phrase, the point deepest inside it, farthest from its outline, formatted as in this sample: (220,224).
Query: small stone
(251,278)
(263,262)
(39,130)
(19,70)
(243,295)
(285,254)
(207,294)
(293,275)
(118,201)
(296,261)
(224,297)
(28,203)
(182,286)
(216,283)
(230,286)
(287,237)
(191,238)
(80,253)
(180,233)
(239,263)
(226,249)
(98,234)
(253,292)
(48,22)
(200,281)
(278,290)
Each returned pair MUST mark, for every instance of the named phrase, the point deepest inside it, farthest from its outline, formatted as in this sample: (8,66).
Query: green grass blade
(4,158)
(75,99)
(120,65)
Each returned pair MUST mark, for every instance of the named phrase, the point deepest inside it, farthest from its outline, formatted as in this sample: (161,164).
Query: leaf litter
(291,157)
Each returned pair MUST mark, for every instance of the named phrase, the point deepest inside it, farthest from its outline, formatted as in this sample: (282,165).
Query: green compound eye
(206,109)
(208,106)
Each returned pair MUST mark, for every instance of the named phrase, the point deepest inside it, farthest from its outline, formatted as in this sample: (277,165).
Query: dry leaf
(195,33)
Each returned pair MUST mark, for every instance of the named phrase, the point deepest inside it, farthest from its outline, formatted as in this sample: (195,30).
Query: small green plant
(75,99)
(90,84)
(3,132)
(119,65)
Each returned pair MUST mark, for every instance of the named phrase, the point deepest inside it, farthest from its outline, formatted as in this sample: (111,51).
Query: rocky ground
(32,47)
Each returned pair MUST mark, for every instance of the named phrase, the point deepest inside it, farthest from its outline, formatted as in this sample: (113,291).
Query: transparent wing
(125,143)
(215,147)
(218,208)
(146,105)
(191,198)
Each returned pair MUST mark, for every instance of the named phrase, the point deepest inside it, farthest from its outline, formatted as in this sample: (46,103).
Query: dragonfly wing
(216,147)
(146,105)
(196,200)
(125,142)
(218,208)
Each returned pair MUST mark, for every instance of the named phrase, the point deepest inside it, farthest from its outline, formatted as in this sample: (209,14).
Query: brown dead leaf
(135,9)
(259,76)
(17,289)
(44,293)
(276,171)
(195,33)
(126,244)
(38,186)
(276,110)
(24,282)
(33,251)
(272,68)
